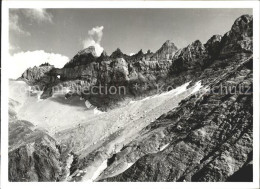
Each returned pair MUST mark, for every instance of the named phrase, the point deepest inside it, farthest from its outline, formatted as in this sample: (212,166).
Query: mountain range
(198,134)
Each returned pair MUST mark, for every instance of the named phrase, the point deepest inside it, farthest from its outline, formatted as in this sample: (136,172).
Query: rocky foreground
(208,137)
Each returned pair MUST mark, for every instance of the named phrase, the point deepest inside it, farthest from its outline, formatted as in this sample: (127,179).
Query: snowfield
(85,130)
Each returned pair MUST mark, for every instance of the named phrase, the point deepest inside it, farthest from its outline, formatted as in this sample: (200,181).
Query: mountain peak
(148,51)
(103,56)
(45,64)
(166,51)
(241,22)
(213,45)
(140,52)
(242,27)
(104,53)
(240,37)
(214,38)
(169,43)
(118,50)
(117,54)
(83,57)
(88,50)
(197,44)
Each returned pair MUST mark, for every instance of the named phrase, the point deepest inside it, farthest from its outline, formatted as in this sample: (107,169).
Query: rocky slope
(208,137)
(33,154)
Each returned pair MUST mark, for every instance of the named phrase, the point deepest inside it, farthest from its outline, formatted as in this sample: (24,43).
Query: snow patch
(97,112)
(132,101)
(39,96)
(163,147)
(129,165)
(145,99)
(175,91)
(197,87)
(181,89)
(123,168)
(99,170)
(23,82)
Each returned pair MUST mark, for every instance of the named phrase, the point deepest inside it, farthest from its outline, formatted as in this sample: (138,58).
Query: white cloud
(39,15)
(19,62)
(94,38)
(131,54)
(14,25)
(13,48)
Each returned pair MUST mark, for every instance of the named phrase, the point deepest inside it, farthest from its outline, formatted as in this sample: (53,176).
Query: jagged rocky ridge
(207,138)
(85,70)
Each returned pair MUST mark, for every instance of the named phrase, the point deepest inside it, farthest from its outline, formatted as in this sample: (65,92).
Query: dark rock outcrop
(118,54)
(35,161)
(103,57)
(239,38)
(191,57)
(137,57)
(33,154)
(213,46)
(148,55)
(38,74)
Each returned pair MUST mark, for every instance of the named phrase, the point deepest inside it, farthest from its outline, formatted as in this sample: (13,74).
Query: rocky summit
(200,129)
(166,52)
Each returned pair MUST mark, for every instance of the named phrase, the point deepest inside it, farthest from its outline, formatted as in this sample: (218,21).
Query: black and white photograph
(127,94)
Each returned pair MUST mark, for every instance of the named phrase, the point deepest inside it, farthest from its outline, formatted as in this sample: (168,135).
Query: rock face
(38,74)
(137,57)
(166,52)
(208,137)
(239,38)
(35,161)
(103,57)
(117,54)
(83,57)
(189,58)
(213,46)
(118,69)
(33,154)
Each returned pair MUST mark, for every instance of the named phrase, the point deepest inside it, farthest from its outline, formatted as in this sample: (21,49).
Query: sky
(56,35)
